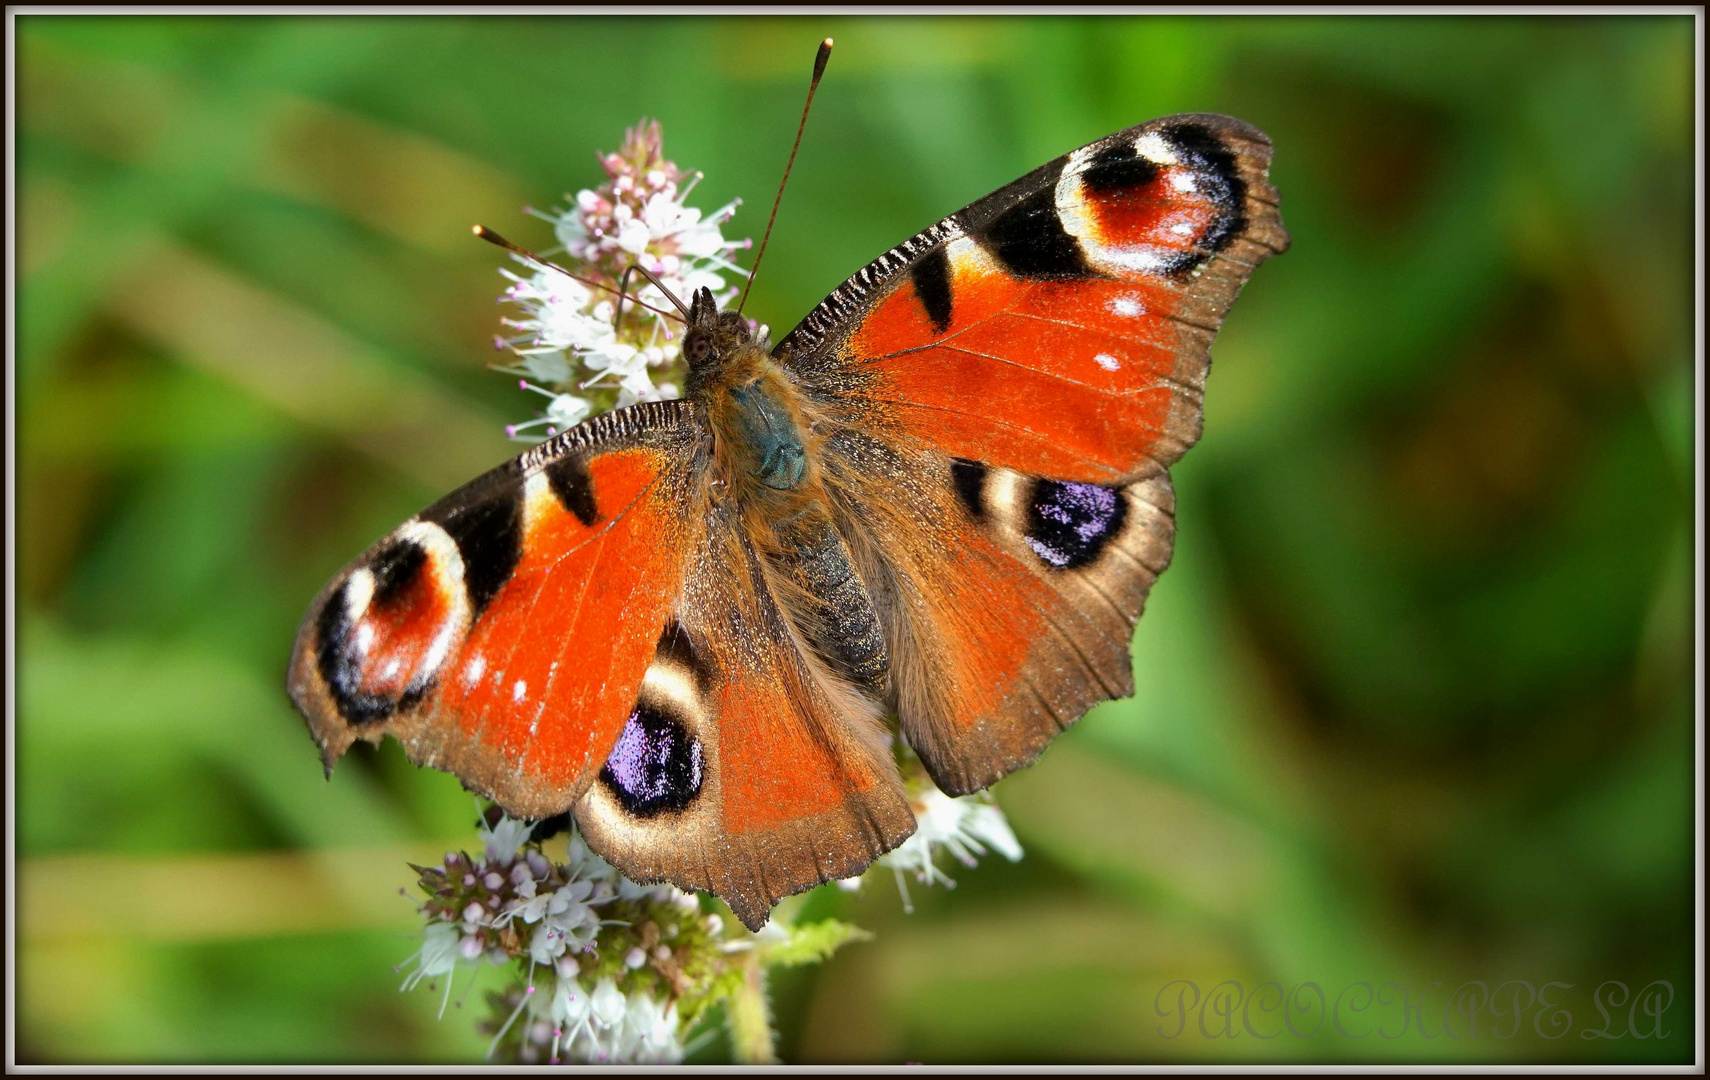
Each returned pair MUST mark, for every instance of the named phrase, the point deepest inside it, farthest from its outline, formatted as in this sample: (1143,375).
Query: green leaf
(811,943)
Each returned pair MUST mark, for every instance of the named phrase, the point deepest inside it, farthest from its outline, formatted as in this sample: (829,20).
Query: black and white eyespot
(1065,525)
(658,764)
(1183,170)
(377,651)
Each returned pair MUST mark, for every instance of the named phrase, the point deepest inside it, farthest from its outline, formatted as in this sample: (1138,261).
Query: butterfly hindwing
(1009,598)
(744,771)
(1060,326)
(503,632)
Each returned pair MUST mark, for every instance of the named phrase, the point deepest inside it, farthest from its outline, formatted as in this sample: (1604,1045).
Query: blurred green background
(1415,699)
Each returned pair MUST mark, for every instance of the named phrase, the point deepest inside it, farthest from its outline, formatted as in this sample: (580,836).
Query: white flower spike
(565,334)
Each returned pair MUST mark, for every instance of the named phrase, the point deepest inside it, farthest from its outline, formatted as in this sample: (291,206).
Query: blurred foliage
(1415,700)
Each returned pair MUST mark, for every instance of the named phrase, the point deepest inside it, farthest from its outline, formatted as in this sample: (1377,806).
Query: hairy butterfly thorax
(766,437)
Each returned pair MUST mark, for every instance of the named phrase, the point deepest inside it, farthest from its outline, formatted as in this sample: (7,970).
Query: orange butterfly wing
(1010,386)
(585,627)
(1061,325)
(502,633)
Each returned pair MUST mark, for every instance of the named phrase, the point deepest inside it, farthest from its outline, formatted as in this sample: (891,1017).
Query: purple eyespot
(1069,524)
(655,766)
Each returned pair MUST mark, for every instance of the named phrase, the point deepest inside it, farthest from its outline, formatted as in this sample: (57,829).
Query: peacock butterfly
(938,503)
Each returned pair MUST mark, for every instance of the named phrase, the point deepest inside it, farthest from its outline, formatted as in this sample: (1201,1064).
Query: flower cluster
(568,337)
(509,901)
(606,970)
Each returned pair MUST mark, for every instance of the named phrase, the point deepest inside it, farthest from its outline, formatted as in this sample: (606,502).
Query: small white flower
(548,367)
(503,841)
(610,355)
(570,1003)
(606,1026)
(568,410)
(633,236)
(966,827)
(571,1011)
(566,917)
(651,1033)
(609,1004)
(585,864)
(437,956)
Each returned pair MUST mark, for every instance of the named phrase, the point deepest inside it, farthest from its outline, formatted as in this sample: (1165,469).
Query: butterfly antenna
(623,289)
(819,62)
(494,238)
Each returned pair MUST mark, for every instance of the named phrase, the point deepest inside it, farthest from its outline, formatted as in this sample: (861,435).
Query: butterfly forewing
(1060,326)
(503,633)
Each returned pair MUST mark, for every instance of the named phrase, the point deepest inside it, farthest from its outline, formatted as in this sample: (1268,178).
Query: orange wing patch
(548,674)
(780,767)
(994,612)
(1069,379)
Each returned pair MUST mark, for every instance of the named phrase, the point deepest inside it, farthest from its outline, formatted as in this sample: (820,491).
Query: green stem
(751,1018)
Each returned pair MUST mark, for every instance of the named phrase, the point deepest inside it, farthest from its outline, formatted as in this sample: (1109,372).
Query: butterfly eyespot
(697,348)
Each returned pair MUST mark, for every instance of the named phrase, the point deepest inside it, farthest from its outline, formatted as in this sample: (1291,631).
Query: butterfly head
(715,340)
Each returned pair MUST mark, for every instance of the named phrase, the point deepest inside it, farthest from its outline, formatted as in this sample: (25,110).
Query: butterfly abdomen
(828,600)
